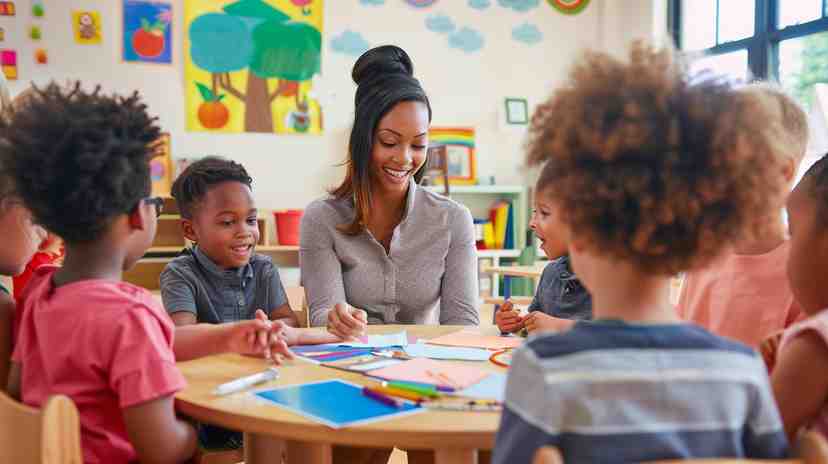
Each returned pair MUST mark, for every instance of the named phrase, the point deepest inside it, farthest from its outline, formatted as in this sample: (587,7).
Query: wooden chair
(299,303)
(811,448)
(47,436)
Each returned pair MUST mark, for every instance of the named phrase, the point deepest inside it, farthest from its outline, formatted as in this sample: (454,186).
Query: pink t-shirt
(105,344)
(819,324)
(743,297)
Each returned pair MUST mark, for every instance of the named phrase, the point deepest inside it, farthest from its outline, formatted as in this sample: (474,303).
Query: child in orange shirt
(744,294)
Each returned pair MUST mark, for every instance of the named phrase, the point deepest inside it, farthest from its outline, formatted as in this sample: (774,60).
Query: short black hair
(79,159)
(815,181)
(199,177)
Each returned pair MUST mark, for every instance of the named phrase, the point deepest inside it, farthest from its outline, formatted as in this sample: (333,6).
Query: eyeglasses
(158,202)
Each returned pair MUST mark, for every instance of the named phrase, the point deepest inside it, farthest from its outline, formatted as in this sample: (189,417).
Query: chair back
(47,436)
(299,303)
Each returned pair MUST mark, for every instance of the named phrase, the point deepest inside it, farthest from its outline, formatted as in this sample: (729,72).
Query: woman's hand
(537,321)
(508,320)
(347,322)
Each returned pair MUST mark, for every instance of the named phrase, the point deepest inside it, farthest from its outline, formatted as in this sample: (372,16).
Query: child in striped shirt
(651,176)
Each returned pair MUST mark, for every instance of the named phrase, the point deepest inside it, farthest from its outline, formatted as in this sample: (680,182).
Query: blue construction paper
(422,350)
(335,403)
(492,387)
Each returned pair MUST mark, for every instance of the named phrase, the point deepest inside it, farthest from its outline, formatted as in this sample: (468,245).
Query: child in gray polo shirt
(221,278)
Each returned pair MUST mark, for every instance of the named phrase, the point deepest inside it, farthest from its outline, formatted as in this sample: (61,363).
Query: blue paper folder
(335,403)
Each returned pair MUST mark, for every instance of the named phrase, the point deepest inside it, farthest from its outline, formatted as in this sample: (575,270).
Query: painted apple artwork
(148,42)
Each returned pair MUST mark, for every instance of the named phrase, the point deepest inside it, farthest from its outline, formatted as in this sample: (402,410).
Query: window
(778,40)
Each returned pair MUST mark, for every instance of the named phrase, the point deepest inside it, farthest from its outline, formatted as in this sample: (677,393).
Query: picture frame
(460,152)
(517,111)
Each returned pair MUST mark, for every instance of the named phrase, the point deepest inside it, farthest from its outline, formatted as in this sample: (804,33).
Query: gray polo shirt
(192,282)
(429,275)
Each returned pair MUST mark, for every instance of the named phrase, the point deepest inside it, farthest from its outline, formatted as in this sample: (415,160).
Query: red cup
(287,225)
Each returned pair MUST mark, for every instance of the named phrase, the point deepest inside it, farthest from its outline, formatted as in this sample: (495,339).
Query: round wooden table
(454,436)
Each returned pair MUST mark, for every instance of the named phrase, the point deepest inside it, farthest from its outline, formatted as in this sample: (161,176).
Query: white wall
(289,171)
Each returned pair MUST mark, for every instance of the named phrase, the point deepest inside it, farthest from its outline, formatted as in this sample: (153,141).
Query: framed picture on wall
(460,152)
(161,167)
(517,111)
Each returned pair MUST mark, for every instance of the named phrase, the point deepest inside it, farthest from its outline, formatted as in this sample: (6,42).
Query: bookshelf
(478,198)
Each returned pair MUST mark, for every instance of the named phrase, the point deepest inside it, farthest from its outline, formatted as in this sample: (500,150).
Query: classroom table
(455,436)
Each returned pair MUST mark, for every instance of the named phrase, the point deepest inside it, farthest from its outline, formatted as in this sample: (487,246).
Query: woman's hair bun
(382,60)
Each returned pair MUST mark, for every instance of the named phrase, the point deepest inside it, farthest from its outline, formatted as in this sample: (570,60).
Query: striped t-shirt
(608,391)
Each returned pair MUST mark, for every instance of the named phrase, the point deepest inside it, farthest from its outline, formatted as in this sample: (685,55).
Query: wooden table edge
(310,433)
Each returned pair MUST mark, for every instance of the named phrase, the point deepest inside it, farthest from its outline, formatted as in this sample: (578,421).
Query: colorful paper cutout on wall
(372,2)
(421,3)
(527,33)
(349,43)
(8,59)
(41,57)
(38,10)
(466,39)
(480,4)
(2,34)
(7,9)
(440,24)
(460,152)
(570,7)
(35,33)
(87,27)
(521,6)
(147,35)
(249,66)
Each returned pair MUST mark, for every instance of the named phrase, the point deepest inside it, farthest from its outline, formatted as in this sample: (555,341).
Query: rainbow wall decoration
(460,152)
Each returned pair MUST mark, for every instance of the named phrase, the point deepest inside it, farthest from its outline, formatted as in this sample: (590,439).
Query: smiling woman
(380,243)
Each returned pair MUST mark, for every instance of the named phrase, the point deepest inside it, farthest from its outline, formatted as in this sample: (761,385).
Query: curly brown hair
(651,169)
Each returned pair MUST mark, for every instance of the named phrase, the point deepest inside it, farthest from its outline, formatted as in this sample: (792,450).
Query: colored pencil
(400,393)
(378,396)
(430,392)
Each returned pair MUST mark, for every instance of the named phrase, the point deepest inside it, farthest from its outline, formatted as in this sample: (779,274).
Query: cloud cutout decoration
(480,4)
(439,23)
(466,39)
(350,43)
(527,33)
(372,2)
(518,5)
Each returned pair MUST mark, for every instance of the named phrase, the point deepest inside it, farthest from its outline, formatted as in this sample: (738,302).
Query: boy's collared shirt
(194,283)
(561,294)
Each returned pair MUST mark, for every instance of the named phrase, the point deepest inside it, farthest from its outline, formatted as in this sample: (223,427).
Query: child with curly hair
(800,378)
(650,176)
(80,163)
(744,294)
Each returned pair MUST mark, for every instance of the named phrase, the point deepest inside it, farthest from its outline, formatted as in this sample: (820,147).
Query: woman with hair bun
(380,242)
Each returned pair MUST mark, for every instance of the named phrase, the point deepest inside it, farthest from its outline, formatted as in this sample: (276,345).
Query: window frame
(763,46)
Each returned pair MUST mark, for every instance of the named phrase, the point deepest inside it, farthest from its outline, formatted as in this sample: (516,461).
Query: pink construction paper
(476,340)
(429,371)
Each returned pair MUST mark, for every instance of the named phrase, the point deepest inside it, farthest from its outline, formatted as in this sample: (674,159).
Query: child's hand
(347,322)
(258,337)
(537,321)
(507,319)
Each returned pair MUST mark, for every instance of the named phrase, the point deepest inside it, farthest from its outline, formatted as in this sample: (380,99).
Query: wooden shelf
(514,271)
(480,189)
(498,253)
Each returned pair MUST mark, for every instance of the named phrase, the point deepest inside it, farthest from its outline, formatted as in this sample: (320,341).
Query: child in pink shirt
(800,376)
(80,164)
(744,295)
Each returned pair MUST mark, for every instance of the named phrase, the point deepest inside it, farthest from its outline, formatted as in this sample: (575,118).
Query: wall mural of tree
(250,64)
